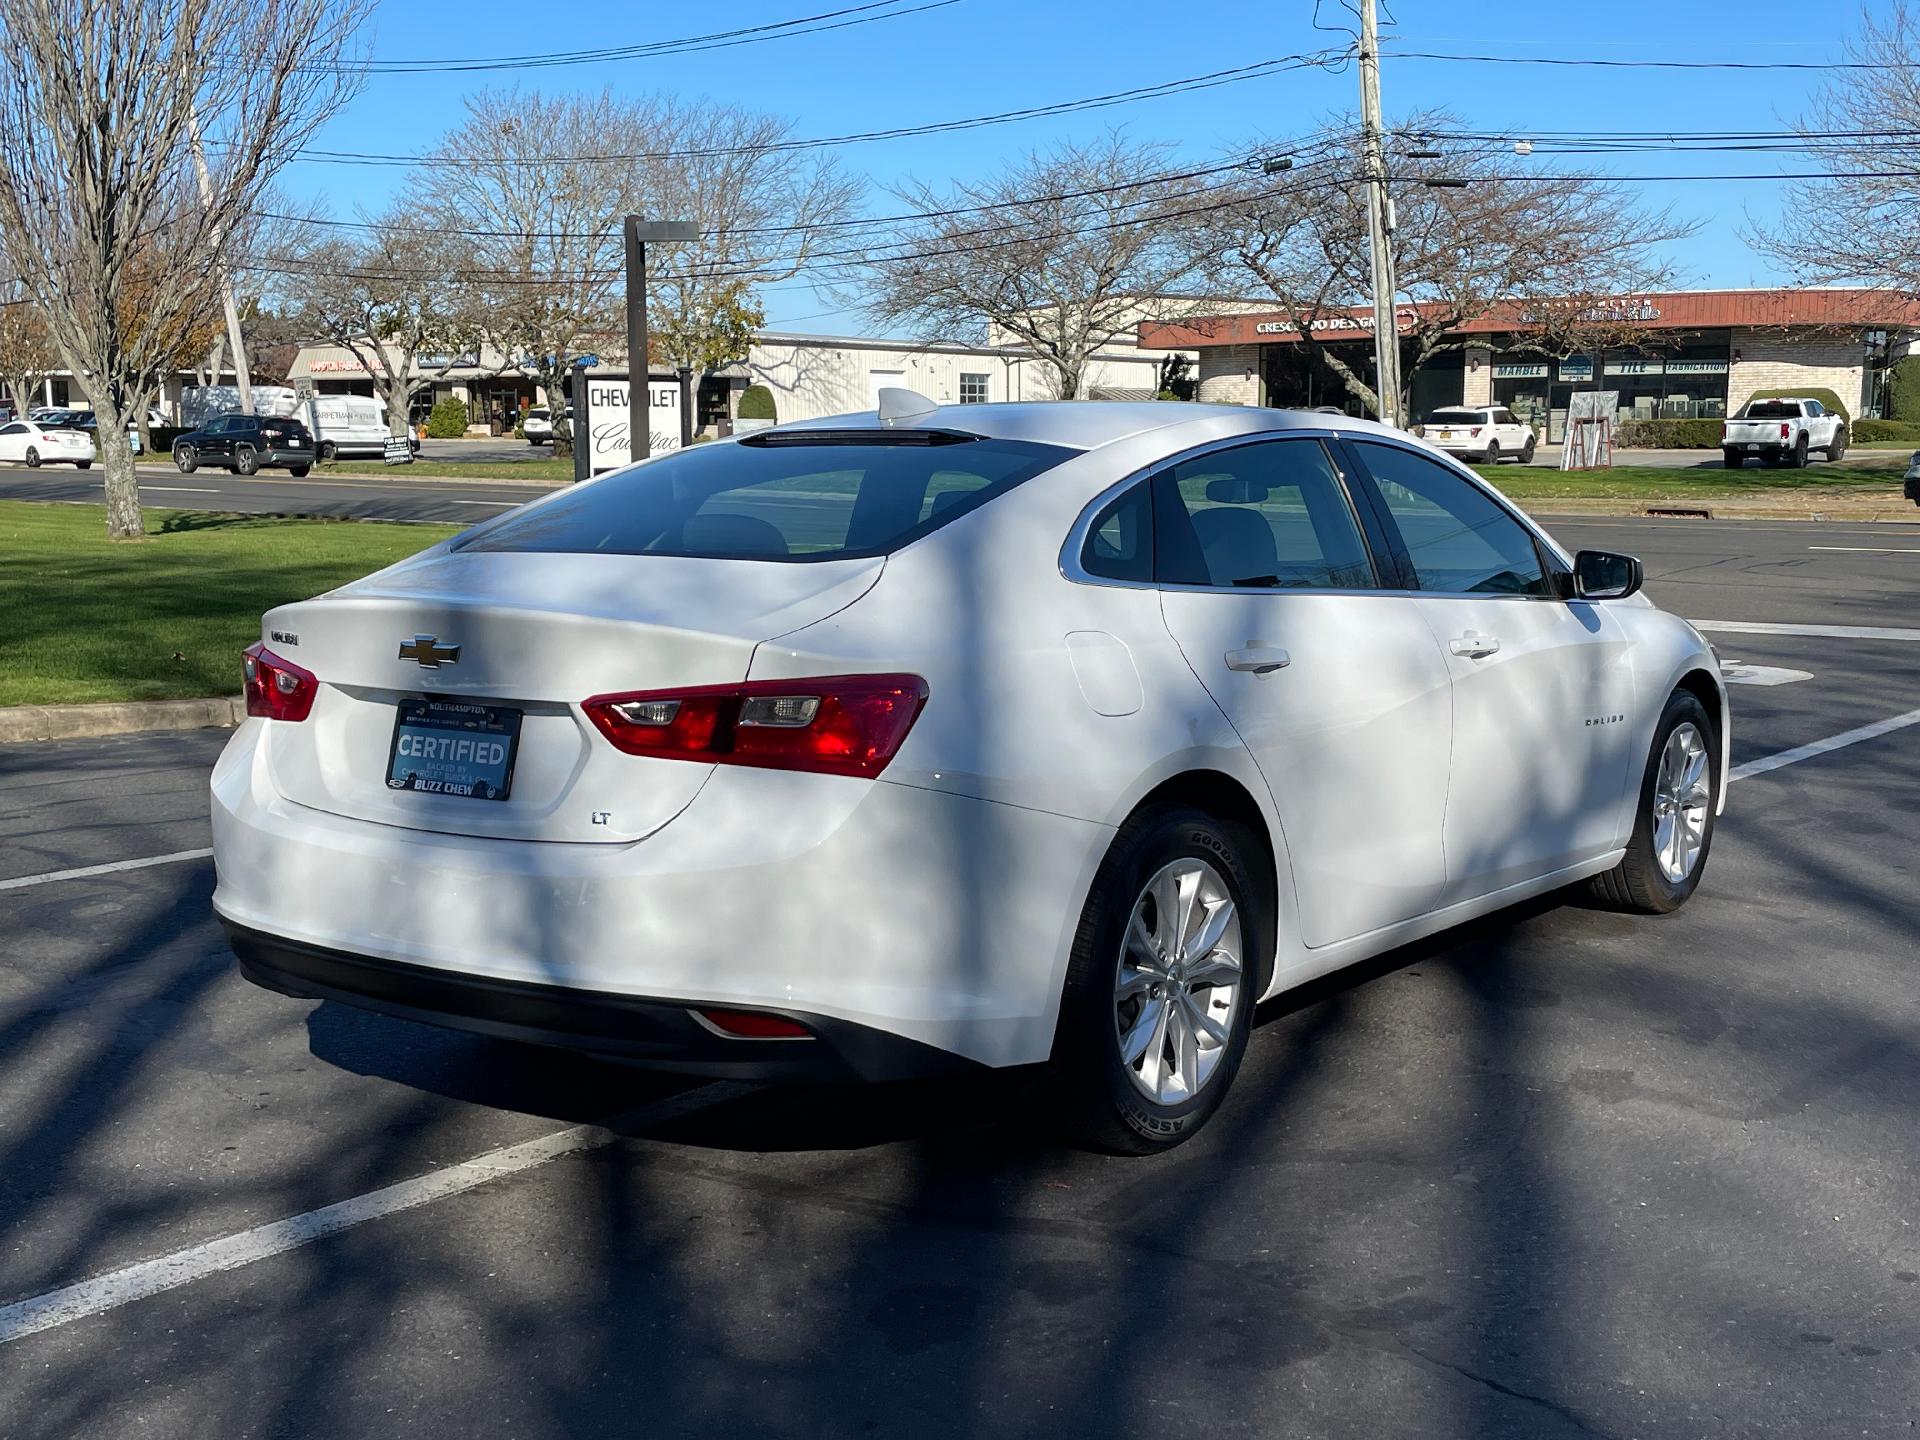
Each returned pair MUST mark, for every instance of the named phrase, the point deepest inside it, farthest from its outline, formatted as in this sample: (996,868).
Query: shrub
(1667,435)
(1865,431)
(1903,389)
(756,403)
(1805,392)
(447,420)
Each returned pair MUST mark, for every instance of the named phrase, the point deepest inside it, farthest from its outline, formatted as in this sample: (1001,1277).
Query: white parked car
(1485,434)
(975,736)
(537,424)
(35,444)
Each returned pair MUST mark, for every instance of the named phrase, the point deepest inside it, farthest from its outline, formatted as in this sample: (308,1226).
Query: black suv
(245,443)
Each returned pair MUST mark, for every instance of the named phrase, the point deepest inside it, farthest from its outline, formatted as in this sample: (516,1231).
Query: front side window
(1459,540)
(1270,515)
(825,496)
(973,389)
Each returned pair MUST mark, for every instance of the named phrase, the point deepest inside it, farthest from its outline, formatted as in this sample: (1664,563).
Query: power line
(684,45)
(1258,70)
(1602,64)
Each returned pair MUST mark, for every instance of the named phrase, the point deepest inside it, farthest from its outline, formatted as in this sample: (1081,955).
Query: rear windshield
(1457,417)
(776,501)
(1774,410)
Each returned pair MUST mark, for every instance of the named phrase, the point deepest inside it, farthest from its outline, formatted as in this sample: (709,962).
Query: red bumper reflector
(752,1025)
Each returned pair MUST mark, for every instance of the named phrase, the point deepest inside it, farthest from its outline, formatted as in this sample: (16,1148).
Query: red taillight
(754,1025)
(833,724)
(1786,430)
(277,689)
(1474,431)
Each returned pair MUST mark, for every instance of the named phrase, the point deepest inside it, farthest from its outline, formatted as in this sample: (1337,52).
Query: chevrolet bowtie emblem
(428,650)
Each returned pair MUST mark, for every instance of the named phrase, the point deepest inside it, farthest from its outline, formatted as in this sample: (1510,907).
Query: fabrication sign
(607,428)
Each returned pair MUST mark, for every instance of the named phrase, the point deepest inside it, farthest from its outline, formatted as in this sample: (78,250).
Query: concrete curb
(21,723)
(399,472)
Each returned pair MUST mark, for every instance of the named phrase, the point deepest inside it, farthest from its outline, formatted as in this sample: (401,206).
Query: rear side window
(1270,515)
(826,498)
(1120,540)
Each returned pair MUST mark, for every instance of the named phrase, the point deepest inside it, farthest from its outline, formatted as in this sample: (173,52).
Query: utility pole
(226,275)
(1386,329)
(639,393)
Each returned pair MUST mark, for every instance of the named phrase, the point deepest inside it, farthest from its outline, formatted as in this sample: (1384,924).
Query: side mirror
(1605,575)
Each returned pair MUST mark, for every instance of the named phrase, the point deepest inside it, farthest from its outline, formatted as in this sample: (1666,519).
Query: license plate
(1446,434)
(1753,447)
(442,748)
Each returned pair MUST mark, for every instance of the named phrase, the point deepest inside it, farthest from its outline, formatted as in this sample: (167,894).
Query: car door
(13,441)
(1269,585)
(1542,684)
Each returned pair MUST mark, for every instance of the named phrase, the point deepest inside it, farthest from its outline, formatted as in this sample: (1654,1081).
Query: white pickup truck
(1782,430)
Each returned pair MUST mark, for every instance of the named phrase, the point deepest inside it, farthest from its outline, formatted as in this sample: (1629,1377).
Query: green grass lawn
(1651,482)
(165,618)
(541,466)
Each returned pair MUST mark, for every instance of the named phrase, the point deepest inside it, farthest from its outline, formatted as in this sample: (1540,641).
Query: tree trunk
(115,455)
(554,383)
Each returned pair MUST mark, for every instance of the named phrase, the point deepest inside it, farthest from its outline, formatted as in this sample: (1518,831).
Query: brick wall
(1230,375)
(1479,378)
(1770,360)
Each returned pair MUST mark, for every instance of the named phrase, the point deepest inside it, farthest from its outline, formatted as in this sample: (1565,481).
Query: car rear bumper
(660,1034)
(938,919)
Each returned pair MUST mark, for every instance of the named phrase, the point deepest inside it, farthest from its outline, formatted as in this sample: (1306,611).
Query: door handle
(1258,659)
(1473,645)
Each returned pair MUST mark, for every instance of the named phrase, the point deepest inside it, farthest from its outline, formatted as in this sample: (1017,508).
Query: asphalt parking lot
(1563,1173)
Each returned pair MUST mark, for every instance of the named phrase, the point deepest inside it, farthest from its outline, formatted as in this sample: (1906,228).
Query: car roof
(1090,424)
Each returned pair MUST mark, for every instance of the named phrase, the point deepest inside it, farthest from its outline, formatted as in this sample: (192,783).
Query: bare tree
(98,113)
(1063,252)
(27,356)
(1482,236)
(548,263)
(1864,224)
(762,205)
(400,302)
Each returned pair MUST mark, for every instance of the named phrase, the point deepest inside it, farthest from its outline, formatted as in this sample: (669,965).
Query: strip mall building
(1695,354)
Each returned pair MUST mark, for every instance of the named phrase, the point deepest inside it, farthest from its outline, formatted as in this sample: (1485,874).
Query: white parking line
(180,489)
(84,871)
(1825,632)
(1864,550)
(1823,747)
(196,1262)
(487,502)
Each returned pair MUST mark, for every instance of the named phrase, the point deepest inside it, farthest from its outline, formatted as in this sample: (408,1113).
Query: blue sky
(978,56)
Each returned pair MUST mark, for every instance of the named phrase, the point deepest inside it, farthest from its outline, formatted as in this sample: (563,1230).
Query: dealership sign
(608,431)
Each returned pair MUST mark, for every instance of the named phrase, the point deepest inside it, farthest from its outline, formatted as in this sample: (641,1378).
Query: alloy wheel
(1682,795)
(1178,986)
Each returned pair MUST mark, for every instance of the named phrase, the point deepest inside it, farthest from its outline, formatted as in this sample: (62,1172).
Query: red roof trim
(1680,310)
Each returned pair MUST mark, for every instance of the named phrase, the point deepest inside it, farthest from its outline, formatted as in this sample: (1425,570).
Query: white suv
(1486,434)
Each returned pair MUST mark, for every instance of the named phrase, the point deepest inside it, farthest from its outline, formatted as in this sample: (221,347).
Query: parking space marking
(180,489)
(1864,549)
(1825,632)
(229,1252)
(178,856)
(1734,672)
(1783,758)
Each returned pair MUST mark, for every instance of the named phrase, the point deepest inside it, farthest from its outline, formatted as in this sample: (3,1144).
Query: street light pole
(1386,332)
(638,233)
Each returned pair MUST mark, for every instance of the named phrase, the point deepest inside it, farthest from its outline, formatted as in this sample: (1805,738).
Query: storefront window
(1682,380)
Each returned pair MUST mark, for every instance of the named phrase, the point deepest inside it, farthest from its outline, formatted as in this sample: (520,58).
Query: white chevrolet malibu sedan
(954,737)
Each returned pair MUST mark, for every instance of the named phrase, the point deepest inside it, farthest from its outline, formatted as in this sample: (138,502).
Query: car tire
(299,472)
(1732,459)
(1493,453)
(33,458)
(246,460)
(1645,881)
(1526,450)
(1798,459)
(1838,449)
(184,460)
(1099,1097)
(328,450)
(83,464)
